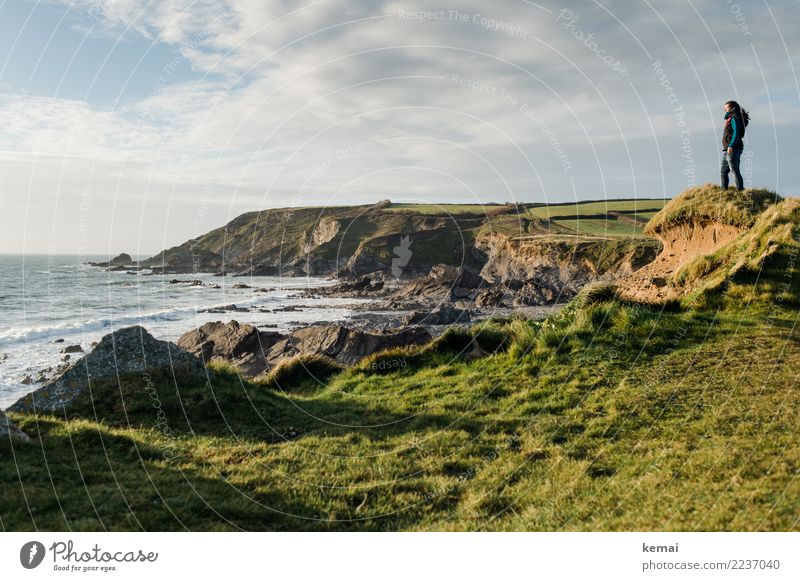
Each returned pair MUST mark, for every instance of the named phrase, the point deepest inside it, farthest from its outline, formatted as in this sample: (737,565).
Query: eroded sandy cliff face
(681,244)
(562,265)
(708,234)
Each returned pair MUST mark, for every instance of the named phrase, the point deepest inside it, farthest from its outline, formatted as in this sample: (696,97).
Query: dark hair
(738,108)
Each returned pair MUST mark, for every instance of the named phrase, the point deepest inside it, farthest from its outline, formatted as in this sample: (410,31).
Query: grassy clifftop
(710,203)
(361,239)
(610,415)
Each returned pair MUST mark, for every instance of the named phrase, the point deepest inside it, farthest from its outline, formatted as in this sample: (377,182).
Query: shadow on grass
(226,406)
(84,477)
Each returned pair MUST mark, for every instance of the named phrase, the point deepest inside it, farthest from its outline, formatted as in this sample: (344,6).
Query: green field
(590,218)
(601,218)
(445,209)
(643,209)
(602,227)
(631,207)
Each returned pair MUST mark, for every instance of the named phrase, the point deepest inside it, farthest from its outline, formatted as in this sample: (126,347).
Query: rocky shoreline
(388,313)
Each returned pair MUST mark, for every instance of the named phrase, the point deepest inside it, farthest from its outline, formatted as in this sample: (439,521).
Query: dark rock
(456,276)
(241,285)
(434,290)
(27,380)
(225,309)
(9,429)
(346,346)
(131,350)
(58,341)
(360,287)
(460,292)
(358,284)
(537,292)
(72,349)
(443,315)
(122,259)
(444,282)
(241,344)
(119,262)
(491,297)
(41,377)
(184,260)
(259,270)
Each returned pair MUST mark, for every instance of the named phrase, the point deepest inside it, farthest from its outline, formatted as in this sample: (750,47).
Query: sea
(48,302)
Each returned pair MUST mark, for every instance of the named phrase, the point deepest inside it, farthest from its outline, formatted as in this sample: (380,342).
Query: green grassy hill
(610,415)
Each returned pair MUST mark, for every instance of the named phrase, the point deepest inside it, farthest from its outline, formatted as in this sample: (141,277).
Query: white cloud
(492,95)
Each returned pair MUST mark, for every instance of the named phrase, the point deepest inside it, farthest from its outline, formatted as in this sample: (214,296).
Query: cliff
(406,241)
(712,239)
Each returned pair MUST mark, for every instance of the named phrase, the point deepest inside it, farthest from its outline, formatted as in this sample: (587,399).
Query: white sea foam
(59,298)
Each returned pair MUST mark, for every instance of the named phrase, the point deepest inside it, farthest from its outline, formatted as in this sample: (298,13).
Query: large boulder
(346,346)
(241,344)
(9,429)
(131,350)
(122,259)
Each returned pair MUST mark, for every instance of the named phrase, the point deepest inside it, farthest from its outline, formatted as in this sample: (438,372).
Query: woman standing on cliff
(736,119)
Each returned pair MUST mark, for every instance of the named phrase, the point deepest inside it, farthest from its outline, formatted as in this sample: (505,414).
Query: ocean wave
(61,329)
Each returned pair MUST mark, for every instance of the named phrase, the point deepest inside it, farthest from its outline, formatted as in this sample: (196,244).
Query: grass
(277,237)
(449,209)
(605,416)
(710,203)
(602,227)
(610,218)
(302,372)
(640,207)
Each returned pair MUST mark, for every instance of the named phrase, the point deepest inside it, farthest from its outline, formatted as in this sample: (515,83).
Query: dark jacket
(733,131)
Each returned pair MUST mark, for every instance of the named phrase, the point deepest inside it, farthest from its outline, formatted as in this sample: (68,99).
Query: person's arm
(733,135)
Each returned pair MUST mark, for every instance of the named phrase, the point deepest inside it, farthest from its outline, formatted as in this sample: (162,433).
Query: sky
(134,125)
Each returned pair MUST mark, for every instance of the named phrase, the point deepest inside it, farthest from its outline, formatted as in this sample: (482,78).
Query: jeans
(730,163)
